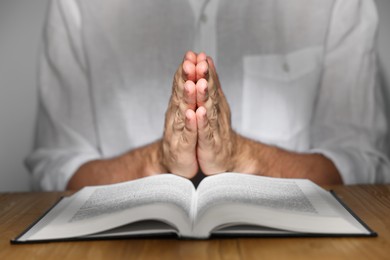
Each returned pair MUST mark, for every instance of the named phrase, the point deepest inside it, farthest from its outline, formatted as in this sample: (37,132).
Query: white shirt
(300,75)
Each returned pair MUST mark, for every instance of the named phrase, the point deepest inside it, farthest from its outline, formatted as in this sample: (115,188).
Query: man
(299,77)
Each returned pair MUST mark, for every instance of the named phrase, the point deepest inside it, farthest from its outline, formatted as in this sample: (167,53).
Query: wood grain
(370,202)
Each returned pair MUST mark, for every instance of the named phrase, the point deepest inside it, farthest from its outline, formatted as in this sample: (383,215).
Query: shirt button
(286,67)
(203,18)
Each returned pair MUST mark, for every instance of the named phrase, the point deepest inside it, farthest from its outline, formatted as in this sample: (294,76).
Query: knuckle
(178,122)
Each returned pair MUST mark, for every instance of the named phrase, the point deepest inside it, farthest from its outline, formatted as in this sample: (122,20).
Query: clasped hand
(198,130)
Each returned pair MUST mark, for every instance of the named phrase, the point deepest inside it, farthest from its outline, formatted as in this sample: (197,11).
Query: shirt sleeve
(66,136)
(349,125)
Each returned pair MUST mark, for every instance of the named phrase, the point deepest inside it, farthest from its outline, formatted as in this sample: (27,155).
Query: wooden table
(370,202)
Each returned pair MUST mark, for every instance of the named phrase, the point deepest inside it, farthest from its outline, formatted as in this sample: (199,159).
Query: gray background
(20,32)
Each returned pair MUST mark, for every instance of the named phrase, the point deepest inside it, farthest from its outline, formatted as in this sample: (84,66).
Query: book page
(163,197)
(286,204)
(281,194)
(152,190)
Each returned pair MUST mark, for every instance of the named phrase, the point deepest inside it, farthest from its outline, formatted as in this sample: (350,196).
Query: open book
(223,204)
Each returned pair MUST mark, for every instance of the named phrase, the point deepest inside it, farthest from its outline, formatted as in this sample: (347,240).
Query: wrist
(144,161)
(155,163)
(253,157)
(236,150)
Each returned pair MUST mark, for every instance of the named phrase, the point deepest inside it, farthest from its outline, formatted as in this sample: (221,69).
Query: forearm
(257,158)
(141,162)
